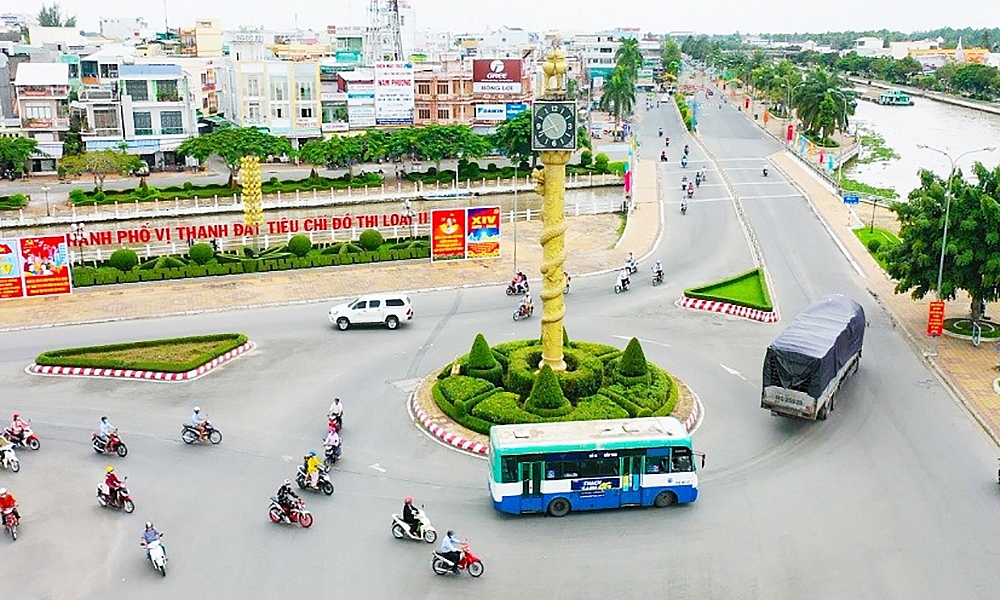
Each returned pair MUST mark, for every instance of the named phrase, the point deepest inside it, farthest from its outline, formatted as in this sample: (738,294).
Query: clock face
(553,126)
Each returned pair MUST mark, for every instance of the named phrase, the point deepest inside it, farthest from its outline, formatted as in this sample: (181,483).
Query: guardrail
(157,209)
(88,253)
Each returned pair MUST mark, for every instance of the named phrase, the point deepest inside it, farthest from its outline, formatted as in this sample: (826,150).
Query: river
(950,128)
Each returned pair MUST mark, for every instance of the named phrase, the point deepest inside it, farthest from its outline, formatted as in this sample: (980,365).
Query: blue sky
(712,16)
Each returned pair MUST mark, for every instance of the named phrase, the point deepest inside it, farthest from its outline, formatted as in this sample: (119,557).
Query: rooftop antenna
(166,26)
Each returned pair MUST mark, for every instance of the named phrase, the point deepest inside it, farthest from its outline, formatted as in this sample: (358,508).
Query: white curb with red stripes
(730,309)
(142,375)
(691,423)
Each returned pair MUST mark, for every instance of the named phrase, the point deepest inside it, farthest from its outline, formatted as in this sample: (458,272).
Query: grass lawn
(884,237)
(746,289)
(987,330)
(174,355)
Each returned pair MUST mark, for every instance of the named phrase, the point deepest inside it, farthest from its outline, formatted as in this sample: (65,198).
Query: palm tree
(819,87)
(628,57)
(618,95)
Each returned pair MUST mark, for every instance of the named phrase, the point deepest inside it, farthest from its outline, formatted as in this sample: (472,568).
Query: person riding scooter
(331,445)
(623,278)
(659,132)
(684,161)
(658,271)
(686,149)
(17,427)
(525,306)
(313,466)
(684,206)
(451,549)
(663,156)
(690,190)
(765,170)
(410,513)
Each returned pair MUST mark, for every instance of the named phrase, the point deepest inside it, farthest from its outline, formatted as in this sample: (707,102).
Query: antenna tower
(382,39)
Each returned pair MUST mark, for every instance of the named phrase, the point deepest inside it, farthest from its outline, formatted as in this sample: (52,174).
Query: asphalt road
(892,497)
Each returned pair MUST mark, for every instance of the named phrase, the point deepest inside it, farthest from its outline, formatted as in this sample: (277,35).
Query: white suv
(390,309)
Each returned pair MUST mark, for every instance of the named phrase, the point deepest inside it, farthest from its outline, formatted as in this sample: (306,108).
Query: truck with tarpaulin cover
(806,364)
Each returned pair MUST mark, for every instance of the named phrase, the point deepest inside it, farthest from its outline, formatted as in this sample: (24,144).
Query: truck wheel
(392,322)
(823,412)
(343,323)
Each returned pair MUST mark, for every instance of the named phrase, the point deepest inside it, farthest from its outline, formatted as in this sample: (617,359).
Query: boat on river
(889,98)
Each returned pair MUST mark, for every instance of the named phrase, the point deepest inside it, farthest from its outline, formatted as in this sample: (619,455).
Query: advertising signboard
(34,266)
(394,96)
(448,234)
(360,116)
(11,282)
(515,108)
(496,76)
(482,232)
(491,112)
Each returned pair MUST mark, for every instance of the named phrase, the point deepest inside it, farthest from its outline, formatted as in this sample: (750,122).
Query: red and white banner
(460,233)
(496,76)
(34,266)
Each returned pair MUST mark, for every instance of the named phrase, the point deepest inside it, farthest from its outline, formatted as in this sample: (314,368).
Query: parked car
(387,309)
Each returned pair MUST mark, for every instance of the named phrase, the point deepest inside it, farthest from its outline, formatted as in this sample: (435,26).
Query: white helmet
(3,491)
(197,409)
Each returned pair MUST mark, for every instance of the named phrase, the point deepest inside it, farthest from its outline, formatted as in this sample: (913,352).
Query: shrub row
(13,202)
(72,357)
(172,267)
(468,421)
(583,376)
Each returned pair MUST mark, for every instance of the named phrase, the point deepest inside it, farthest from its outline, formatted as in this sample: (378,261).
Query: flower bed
(175,355)
(502,385)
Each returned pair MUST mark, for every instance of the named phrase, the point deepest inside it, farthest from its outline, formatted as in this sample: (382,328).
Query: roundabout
(787,509)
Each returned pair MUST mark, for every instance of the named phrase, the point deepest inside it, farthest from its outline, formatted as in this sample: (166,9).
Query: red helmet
(16,416)
(408,500)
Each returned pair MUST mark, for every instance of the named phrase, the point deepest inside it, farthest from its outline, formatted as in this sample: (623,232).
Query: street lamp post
(48,209)
(932,351)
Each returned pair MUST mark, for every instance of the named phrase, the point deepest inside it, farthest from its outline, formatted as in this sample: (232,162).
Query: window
(166,90)
(143,122)
(456,87)
(508,469)
(359,305)
(109,71)
(424,88)
(394,302)
(680,460)
(424,113)
(575,469)
(305,90)
(171,122)
(279,90)
(442,88)
(105,120)
(444,114)
(253,86)
(204,102)
(277,112)
(306,112)
(74,71)
(253,112)
(38,111)
(138,89)
(374,304)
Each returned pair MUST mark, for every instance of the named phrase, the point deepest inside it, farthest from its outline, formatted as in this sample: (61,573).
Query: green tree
(513,138)
(51,16)
(442,142)
(233,143)
(73,143)
(618,95)
(345,151)
(808,98)
(975,80)
(671,57)
(972,255)
(376,145)
(100,164)
(629,58)
(315,153)
(15,152)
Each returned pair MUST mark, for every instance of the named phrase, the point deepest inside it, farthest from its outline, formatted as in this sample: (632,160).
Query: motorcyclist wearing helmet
(149,535)
(658,269)
(525,305)
(5,446)
(451,549)
(623,278)
(200,422)
(114,484)
(313,466)
(332,441)
(286,496)
(17,426)
(410,515)
(8,504)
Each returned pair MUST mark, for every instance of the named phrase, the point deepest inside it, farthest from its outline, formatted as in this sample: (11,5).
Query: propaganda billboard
(482,232)
(448,234)
(496,76)
(45,265)
(11,282)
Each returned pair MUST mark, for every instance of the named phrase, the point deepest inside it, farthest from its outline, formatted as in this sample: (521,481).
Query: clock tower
(553,134)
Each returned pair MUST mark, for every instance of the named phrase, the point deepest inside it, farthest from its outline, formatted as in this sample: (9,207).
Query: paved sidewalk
(968,370)
(591,240)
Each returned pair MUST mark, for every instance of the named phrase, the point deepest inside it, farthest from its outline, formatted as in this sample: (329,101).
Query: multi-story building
(124,29)
(261,91)
(598,50)
(203,40)
(148,109)
(42,93)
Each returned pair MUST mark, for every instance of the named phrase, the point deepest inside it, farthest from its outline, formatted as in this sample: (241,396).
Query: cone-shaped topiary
(481,357)
(546,393)
(633,361)
(565,338)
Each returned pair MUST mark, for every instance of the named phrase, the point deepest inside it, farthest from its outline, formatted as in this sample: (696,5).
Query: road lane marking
(623,337)
(732,371)
(376,467)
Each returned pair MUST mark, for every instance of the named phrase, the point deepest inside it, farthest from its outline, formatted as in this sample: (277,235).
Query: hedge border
(65,357)
(704,292)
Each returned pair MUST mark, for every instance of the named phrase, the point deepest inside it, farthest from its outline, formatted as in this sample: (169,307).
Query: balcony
(208,86)
(102,132)
(42,91)
(43,124)
(92,94)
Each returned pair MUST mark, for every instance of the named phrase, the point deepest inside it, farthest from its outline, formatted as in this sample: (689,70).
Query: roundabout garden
(503,385)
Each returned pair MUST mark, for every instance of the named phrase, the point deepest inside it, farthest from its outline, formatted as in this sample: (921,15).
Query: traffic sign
(851,198)
(935,318)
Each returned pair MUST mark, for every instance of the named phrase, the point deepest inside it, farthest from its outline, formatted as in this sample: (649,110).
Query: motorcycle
(323,483)
(697,179)
(660,132)
(190,434)
(765,171)
(524,311)
(123,502)
(632,266)
(517,288)
(566,281)
(298,514)
(156,556)
(114,445)
(690,192)
(657,278)
(621,286)
(27,438)
(10,523)
(332,453)
(335,421)
(684,183)
(10,460)
(469,562)
(684,207)
(425,531)
(663,157)
(684,162)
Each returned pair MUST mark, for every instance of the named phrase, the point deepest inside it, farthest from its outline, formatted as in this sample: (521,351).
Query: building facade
(42,105)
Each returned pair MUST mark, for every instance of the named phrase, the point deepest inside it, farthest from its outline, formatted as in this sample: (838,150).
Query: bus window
(508,469)
(681,460)
(657,464)
(566,469)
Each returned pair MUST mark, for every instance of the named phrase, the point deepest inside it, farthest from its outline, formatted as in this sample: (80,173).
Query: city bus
(585,465)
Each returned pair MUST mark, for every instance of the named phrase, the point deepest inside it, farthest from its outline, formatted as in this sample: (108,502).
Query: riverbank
(990,107)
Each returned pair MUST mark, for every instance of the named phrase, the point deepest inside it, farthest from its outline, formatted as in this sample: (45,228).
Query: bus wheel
(664,499)
(559,507)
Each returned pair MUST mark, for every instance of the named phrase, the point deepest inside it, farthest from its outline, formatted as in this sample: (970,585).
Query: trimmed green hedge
(13,202)
(747,289)
(71,357)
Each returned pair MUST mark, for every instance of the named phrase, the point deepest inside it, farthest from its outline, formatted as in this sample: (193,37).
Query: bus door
(531,474)
(633,467)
